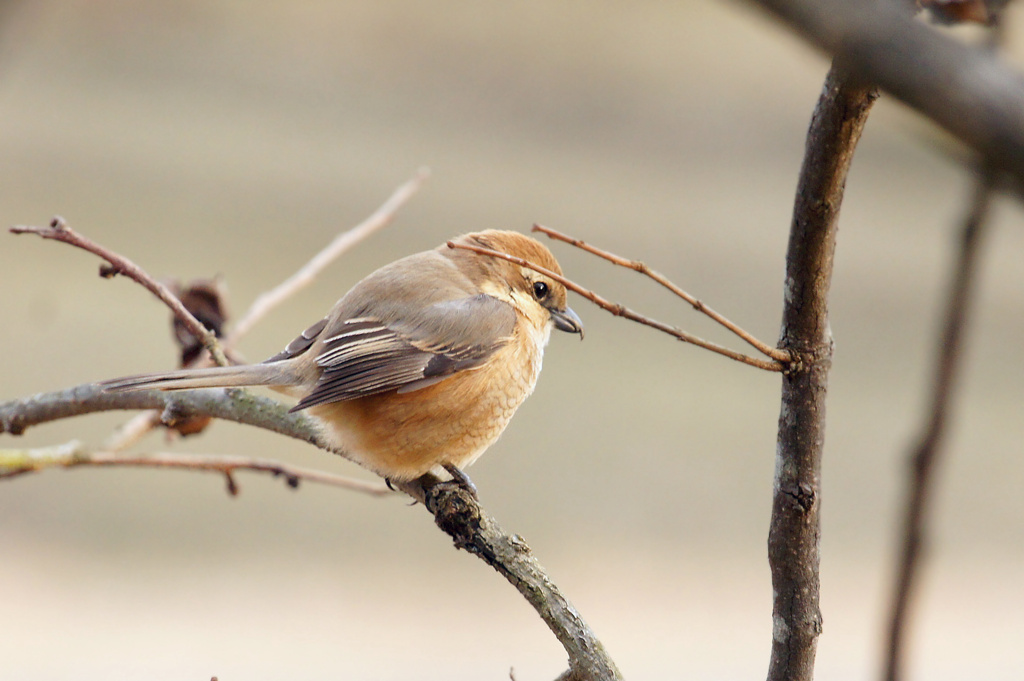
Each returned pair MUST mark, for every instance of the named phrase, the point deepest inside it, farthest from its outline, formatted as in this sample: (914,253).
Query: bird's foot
(461,479)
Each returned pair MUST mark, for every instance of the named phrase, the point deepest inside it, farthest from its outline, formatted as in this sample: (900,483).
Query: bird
(421,365)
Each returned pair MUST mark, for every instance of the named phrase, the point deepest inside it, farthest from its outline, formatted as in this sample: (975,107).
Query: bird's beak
(567,320)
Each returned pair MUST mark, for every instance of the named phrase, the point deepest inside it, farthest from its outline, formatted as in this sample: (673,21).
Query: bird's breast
(404,435)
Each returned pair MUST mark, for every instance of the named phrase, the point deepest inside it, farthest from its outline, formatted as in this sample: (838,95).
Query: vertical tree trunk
(794,535)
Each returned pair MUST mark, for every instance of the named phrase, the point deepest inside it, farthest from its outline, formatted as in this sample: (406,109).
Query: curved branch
(239,406)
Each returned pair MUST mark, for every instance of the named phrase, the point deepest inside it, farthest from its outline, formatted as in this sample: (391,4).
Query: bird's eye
(540,289)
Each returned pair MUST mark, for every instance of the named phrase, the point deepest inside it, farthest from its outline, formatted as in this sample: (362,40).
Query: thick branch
(965,89)
(794,535)
(239,406)
(926,453)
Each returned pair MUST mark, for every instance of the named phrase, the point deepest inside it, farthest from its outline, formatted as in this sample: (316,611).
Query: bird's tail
(211,377)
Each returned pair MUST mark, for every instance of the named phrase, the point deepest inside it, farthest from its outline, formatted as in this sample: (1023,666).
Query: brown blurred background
(237,138)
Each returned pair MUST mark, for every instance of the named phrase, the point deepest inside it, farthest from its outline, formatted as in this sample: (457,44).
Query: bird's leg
(461,479)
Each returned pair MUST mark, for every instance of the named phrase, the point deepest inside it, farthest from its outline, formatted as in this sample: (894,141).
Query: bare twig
(343,242)
(637,266)
(74,454)
(926,453)
(622,311)
(795,530)
(132,432)
(60,231)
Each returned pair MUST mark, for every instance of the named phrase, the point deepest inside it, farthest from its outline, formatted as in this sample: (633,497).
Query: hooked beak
(567,320)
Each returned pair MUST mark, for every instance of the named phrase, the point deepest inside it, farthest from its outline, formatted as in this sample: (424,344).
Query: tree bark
(794,534)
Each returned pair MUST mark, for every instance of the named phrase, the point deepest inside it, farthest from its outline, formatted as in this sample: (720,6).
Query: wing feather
(367,355)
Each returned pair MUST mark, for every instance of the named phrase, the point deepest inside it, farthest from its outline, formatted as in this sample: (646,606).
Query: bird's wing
(366,355)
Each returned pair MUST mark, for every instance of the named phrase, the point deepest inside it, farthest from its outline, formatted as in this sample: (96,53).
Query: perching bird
(422,364)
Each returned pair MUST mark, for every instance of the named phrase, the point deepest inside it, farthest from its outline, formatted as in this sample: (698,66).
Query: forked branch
(622,311)
(638,266)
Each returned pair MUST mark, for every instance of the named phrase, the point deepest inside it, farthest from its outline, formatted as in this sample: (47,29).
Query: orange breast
(403,436)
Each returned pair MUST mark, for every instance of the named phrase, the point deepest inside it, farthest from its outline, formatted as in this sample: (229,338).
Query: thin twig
(794,536)
(59,230)
(342,243)
(622,311)
(926,453)
(131,432)
(74,454)
(642,268)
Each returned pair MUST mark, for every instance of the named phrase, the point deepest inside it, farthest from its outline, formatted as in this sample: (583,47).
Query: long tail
(212,377)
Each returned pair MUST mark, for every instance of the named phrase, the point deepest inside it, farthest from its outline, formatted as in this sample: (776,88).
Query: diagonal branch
(458,514)
(59,230)
(623,311)
(795,532)
(341,243)
(642,268)
(925,456)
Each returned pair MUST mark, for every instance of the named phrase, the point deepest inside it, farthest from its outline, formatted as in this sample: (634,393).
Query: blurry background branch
(969,91)
(926,453)
(380,218)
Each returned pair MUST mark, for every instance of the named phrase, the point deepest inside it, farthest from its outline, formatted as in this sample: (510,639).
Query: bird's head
(539,297)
